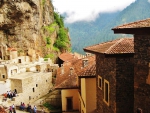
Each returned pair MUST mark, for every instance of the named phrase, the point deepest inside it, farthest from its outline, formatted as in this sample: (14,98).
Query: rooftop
(73,69)
(89,72)
(122,45)
(67,56)
(137,24)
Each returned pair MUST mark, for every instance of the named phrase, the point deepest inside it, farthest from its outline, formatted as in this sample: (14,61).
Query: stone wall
(106,68)
(32,87)
(141,72)
(118,71)
(125,84)
(3,73)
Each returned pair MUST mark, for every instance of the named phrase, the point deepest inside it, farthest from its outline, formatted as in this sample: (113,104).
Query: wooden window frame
(100,84)
(106,82)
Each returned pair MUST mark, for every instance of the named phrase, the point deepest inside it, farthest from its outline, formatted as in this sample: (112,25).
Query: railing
(80,97)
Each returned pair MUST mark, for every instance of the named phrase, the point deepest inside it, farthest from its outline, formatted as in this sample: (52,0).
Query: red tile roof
(11,49)
(122,45)
(68,79)
(89,72)
(138,24)
(67,56)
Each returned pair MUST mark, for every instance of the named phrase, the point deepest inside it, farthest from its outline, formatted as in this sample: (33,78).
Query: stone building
(32,78)
(114,75)
(141,31)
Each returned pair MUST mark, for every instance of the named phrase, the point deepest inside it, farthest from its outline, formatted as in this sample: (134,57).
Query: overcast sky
(88,10)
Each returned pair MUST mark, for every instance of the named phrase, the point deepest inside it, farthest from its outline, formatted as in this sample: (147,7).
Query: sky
(88,10)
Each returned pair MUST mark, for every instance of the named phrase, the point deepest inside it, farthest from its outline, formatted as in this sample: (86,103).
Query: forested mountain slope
(88,33)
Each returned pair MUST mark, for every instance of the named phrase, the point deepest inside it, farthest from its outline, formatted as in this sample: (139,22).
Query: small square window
(100,82)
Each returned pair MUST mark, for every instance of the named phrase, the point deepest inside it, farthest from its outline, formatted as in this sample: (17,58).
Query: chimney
(71,70)
(84,62)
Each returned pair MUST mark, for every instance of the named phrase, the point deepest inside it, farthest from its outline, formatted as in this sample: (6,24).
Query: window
(100,82)
(148,77)
(19,60)
(36,85)
(29,97)
(3,76)
(33,89)
(106,92)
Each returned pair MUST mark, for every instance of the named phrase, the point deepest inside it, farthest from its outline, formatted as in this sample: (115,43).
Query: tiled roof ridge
(97,44)
(131,23)
(114,45)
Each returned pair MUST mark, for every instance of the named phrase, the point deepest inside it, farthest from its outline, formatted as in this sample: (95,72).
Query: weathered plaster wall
(91,95)
(70,93)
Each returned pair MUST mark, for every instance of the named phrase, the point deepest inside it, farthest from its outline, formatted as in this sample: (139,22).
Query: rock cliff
(22,24)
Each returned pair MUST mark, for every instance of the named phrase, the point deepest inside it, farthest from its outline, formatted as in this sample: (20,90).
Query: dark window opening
(36,85)
(106,92)
(19,60)
(100,82)
(33,89)
(29,97)
(3,76)
(69,103)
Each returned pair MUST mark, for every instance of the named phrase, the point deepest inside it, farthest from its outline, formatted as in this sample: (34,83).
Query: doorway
(69,103)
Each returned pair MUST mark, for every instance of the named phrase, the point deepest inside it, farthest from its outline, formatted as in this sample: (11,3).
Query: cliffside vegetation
(62,42)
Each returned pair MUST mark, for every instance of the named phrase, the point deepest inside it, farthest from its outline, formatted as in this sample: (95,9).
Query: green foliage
(51,107)
(48,40)
(59,19)
(51,56)
(51,28)
(55,49)
(62,41)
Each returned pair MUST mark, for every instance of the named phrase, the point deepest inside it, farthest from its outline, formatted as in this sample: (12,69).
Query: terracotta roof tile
(137,24)
(68,79)
(122,45)
(90,71)
(67,56)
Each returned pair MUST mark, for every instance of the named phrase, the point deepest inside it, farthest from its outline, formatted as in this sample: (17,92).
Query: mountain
(33,28)
(88,33)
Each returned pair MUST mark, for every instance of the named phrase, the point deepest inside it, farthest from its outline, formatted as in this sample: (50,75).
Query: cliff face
(22,25)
